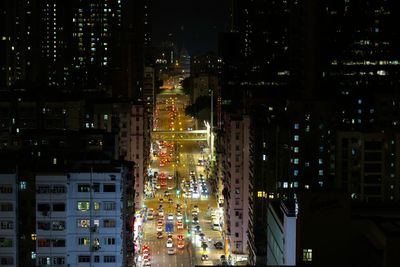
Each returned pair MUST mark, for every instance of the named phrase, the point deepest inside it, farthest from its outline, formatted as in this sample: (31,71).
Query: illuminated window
(296,138)
(85,223)
(307,254)
(296,149)
(83,241)
(96,205)
(260,194)
(83,205)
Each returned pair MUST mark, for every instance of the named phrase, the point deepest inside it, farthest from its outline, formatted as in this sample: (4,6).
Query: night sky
(195,24)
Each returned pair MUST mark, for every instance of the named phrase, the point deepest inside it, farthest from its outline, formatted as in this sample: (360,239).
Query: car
(196,208)
(170,201)
(170,217)
(195,194)
(170,177)
(222,258)
(170,187)
(179,216)
(202,236)
(204,245)
(204,257)
(195,213)
(146,250)
(169,243)
(146,259)
(179,237)
(197,229)
(181,244)
(195,220)
(161,200)
(218,245)
(178,206)
(160,213)
(159,228)
(160,222)
(171,251)
(160,235)
(158,186)
(179,225)
(146,253)
(169,237)
(191,172)
(167,193)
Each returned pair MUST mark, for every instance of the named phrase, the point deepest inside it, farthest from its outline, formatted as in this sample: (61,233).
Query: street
(179,200)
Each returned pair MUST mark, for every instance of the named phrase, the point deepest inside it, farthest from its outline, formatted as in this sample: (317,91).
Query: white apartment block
(8,220)
(237,182)
(80,219)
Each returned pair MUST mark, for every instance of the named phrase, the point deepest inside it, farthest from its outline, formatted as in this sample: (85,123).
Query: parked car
(218,245)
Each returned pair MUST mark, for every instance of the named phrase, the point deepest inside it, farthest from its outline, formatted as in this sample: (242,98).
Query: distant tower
(185,61)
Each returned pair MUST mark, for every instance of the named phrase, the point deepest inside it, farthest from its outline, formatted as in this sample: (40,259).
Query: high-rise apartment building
(78,216)
(233,161)
(313,72)
(69,45)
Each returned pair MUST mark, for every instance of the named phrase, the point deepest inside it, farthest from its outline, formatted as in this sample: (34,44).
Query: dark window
(109,258)
(373,145)
(96,258)
(43,207)
(44,226)
(373,156)
(6,188)
(59,207)
(6,207)
(109,188)
(59,243)
(6,261)
(109,223)
(44,243)
(96,187)
(83,258)
(372,167)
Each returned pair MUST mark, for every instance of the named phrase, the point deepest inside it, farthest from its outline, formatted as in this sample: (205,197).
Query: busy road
(180,209)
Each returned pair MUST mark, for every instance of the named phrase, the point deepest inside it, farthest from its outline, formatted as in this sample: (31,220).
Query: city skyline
(164,133)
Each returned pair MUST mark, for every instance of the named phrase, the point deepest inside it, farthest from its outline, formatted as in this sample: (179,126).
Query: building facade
(236,192)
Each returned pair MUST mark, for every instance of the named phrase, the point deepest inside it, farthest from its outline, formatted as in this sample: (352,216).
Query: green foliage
(186,86)
(202,102)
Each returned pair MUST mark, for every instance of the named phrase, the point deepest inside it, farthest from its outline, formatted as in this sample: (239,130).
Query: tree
(186,85)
